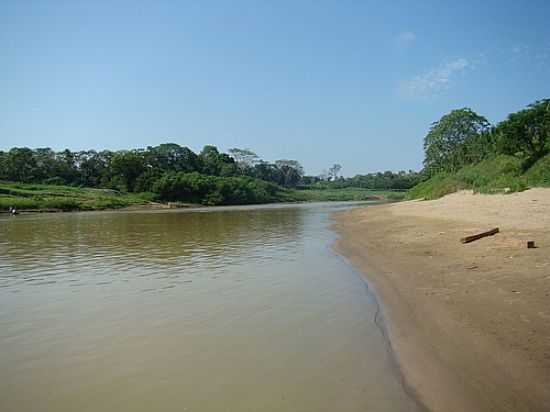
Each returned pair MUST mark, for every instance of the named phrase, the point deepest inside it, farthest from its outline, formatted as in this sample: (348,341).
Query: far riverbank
(39,198)
(468,323)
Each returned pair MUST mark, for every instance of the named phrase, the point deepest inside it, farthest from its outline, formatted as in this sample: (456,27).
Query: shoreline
(182,206)
(467,328)
(381,323)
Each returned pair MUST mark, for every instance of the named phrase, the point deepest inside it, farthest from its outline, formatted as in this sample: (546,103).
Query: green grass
(346,194)
(539,173)
(497,175)
(50,197)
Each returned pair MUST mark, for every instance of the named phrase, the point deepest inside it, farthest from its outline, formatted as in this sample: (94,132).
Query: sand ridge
(470,324)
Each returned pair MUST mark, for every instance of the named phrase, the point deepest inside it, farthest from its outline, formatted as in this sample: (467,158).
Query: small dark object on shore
(472,238)
(531,244)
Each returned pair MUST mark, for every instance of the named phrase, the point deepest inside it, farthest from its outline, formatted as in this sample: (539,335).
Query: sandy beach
(469,323)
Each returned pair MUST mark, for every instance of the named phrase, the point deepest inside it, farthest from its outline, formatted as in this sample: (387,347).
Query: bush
(214,190)
(539,173)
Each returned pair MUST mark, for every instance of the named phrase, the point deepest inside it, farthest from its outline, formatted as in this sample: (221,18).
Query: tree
(527,132)
(292,171)
(66,167)
(268,172)
(20,165)
(172,157)
(215,163)
(334,170)
(46,163)
(128,165)
(446,144)
(246,159)
(92,166)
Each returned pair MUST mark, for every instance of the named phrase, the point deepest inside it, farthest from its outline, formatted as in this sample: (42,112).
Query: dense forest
(463,150)
(175,173)
(170,171)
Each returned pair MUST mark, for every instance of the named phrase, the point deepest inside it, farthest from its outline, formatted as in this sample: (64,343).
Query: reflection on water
(237,309)
(121,246)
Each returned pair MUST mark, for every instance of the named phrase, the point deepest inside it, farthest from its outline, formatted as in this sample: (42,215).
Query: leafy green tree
(526,133)
(446,144)
(128,165)
(213,190)
(291,170)
(20,165)
(215,163)
(46,163)
(105,158)
(91,167)
(268,172)
(172,157)
(66,167)
(209,158)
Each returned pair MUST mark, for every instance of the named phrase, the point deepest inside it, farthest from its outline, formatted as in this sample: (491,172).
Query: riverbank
(468,323)
(36,198)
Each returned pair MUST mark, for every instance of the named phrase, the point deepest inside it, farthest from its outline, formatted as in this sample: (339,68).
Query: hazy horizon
(320,82)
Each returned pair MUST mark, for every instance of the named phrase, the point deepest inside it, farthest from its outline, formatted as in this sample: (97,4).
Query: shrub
(213,190)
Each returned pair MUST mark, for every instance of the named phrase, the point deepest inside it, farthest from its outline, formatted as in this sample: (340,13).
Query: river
(224,309)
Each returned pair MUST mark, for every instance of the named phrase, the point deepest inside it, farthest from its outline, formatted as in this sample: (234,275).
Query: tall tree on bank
(246,159)
(172,157)
(20,165)
(451,141)
(128,166)
(291,170)
(215,163)
(526,133)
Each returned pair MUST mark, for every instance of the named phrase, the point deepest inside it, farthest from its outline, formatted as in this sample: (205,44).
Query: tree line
(136,170)
(172,171)
(463,137)
(177,173)
(387,180)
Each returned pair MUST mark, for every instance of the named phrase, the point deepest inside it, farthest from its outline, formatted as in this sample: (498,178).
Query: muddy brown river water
(229,309)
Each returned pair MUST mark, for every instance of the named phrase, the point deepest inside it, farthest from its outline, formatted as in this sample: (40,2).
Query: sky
(346,81)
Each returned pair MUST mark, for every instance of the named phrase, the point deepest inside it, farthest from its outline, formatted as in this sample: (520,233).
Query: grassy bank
(40,197)
(351,194)
(496,175)
(65,198)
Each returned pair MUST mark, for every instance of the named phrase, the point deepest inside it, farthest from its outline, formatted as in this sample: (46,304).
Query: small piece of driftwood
(531,244)
(472,238)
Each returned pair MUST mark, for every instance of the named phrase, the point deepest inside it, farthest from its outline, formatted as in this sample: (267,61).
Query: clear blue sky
(353,82)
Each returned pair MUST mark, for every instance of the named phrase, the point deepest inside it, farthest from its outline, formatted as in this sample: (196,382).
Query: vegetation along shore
(44,180)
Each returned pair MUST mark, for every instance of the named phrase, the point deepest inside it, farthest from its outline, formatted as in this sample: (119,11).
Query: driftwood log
(472,238)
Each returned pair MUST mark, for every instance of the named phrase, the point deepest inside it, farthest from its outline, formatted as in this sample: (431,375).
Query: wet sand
(469,323)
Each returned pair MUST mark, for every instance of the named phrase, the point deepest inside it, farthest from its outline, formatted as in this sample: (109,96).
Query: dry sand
(469,323)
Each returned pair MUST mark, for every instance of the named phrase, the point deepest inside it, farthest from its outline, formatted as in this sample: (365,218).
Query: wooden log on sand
(472,238)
